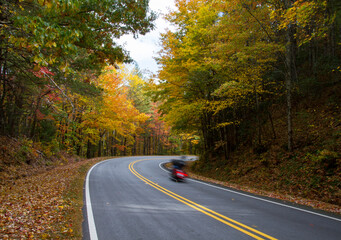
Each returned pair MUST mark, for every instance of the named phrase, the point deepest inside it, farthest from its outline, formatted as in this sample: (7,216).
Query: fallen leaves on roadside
(33,207)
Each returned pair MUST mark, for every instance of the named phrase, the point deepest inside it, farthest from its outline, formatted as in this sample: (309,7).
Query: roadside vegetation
(260,83)
(312,171)
(251,87)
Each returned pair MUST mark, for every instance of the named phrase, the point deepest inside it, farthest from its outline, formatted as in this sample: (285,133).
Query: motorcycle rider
(177,165)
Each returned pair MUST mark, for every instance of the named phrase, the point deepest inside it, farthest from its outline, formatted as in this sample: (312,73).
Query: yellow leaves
(51,44)
(114,110)
(64,67)
(18,42)
(109,80)
(36,67)
(308,17)
(142,117)
(225,124)
(46,3)
(338,69)
(67,230)
(41,2)
(130,77)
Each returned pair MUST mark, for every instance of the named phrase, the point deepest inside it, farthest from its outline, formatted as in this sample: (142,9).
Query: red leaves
(120,147)
(42,71)
(41,116)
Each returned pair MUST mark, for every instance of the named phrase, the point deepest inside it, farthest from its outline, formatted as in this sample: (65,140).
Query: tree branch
(54,83)
(248,10)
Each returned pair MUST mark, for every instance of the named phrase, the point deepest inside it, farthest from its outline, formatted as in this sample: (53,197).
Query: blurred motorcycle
(178,174)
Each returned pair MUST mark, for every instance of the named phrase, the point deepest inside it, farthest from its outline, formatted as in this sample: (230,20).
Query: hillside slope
(312,171)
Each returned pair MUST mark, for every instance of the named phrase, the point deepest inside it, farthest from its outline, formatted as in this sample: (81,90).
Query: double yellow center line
(221,218)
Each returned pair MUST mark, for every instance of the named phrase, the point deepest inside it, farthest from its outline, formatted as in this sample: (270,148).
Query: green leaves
(63,29)
(71,38)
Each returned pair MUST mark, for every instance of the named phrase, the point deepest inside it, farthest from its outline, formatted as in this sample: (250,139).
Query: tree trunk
(208,134)
(99,152)
(88,150)
(133,151)
(291,76)
(34,123)
(259,132)
(272,125)
(3,94)
(150,146)
(125,147)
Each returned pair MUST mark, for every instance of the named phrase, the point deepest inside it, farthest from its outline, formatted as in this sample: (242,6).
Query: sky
(144,48)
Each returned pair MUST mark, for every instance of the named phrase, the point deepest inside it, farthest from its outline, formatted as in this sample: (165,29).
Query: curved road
(133,198)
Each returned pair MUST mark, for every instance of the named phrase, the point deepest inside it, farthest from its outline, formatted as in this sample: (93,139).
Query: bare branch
(65,95)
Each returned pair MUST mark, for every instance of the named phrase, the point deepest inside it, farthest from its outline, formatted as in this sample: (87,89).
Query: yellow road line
(199,207)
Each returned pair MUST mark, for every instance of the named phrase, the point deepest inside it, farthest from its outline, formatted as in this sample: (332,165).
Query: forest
(237,77)
(260,83)
(251,87)
(63,85)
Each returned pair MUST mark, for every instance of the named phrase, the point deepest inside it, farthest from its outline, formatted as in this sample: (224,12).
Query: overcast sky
(144,48)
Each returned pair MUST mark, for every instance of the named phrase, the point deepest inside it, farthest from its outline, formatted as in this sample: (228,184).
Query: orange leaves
(120,147)
(114,111)
(109,80)
(41,116)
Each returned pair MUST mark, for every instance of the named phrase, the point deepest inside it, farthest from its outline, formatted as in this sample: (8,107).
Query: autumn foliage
(59,82)
(64,93)
(251,86)
(259,83)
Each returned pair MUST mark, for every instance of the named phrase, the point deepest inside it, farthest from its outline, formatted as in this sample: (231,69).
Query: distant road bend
(133,198)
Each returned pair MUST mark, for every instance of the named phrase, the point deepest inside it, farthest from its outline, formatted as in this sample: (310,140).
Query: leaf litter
(35,207)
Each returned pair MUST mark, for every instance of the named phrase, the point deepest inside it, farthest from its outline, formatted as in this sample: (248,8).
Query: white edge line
(91,221)
(261,199)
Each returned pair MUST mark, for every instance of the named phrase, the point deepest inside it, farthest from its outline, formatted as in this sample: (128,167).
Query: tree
(228,61)
(304,22)
(213,67)
(72,39)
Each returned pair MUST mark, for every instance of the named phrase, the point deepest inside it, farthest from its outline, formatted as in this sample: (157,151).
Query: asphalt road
(133,198)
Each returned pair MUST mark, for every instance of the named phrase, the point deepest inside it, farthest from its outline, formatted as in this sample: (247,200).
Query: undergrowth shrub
(25,149)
